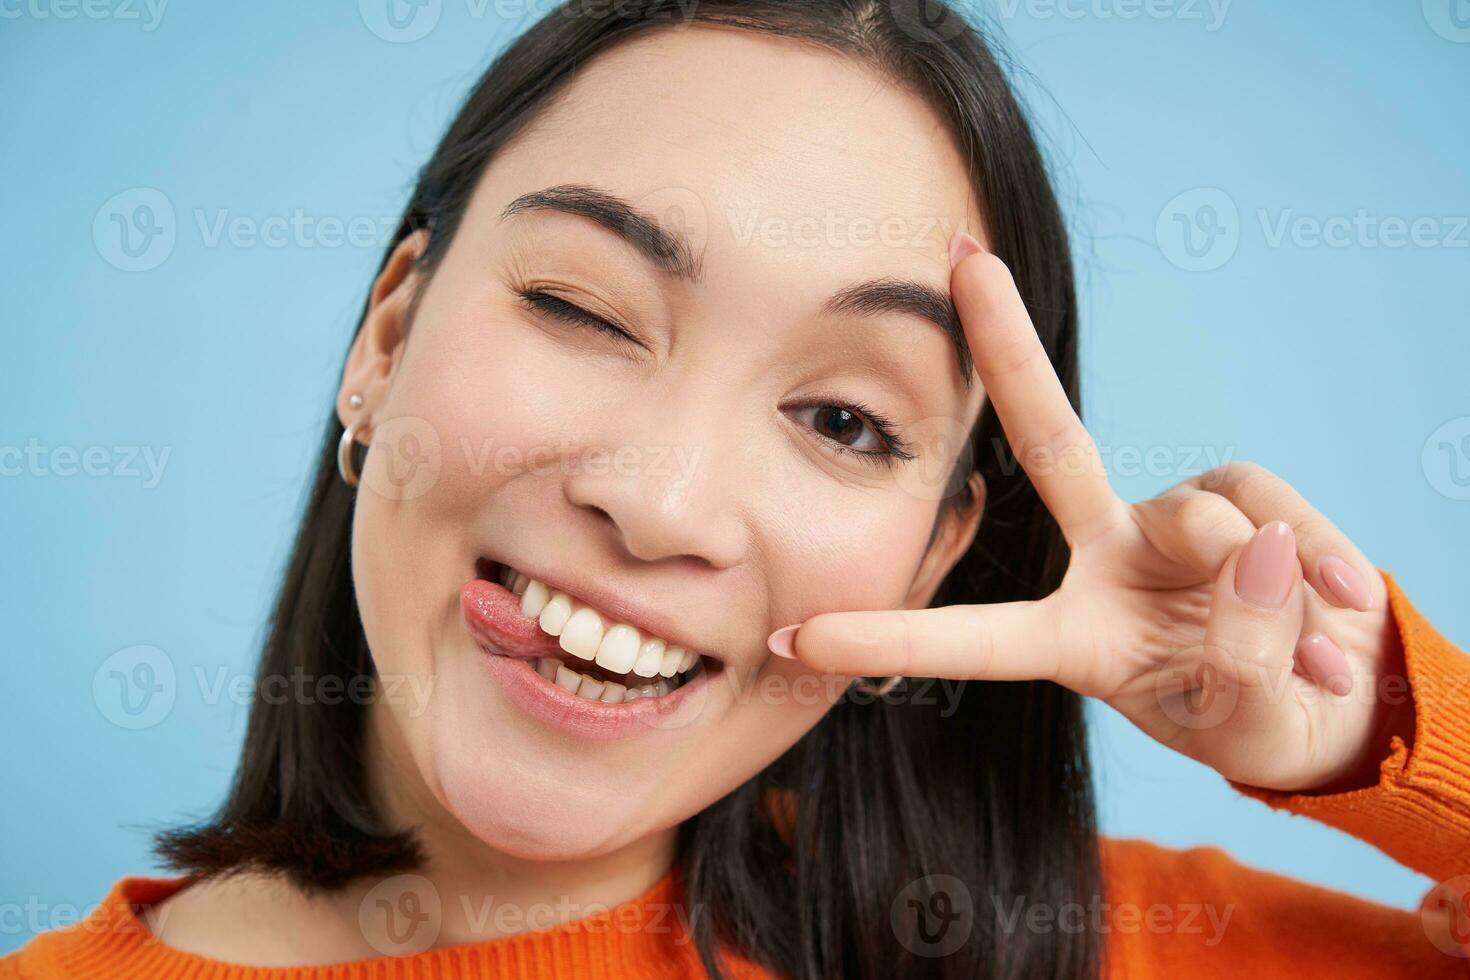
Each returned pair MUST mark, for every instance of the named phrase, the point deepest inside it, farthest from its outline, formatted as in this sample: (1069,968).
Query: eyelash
(894,448)
(572,313)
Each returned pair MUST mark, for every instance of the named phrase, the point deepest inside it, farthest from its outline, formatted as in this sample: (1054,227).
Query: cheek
(495,401)
(461,418)
(848,549)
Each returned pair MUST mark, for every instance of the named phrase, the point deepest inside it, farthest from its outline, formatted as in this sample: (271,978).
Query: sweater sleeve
(1418,812)
(1201,914)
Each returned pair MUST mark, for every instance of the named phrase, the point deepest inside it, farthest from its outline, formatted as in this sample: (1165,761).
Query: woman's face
(723,473)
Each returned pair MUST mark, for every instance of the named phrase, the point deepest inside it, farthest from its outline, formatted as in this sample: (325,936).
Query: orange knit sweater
(1194,913)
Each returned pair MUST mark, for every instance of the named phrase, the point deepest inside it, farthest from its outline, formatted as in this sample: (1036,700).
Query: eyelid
(895,449)
(549,304)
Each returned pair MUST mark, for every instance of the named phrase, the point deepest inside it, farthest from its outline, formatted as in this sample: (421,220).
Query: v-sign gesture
(1226,617)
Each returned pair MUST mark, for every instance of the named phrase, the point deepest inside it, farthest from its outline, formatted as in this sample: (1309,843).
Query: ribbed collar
(645,937)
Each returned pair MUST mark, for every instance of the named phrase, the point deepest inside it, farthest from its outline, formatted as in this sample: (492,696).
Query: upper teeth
(587,634)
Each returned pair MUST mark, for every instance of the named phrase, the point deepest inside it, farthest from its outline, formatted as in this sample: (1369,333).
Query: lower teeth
(608,692)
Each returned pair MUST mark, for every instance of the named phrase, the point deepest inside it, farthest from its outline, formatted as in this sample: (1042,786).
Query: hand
(1226,617)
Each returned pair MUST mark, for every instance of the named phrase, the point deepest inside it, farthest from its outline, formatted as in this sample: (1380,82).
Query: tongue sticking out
(495,614)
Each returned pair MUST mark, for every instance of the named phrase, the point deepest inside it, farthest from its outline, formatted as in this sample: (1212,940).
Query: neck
(483,893)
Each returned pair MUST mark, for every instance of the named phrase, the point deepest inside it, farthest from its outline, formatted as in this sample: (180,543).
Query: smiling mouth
(601,659)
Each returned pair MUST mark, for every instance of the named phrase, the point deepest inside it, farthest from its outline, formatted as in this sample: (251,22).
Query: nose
(664,485)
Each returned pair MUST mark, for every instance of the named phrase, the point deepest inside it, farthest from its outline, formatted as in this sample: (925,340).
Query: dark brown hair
(892,796)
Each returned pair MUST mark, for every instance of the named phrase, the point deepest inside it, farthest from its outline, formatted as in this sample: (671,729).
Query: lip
(563,711)
(560,710)
(645,618)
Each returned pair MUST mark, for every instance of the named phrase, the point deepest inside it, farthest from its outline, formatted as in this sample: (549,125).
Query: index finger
(1053,446)
(1001,641)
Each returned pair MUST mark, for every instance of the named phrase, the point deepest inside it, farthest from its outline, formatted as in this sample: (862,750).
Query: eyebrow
(671,252)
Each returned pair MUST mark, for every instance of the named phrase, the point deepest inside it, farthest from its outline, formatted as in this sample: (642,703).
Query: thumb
(996,641)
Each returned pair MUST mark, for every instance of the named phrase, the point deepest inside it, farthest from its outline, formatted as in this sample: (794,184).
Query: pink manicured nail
(1345,582)
(961,244)
(1324,662)
(1263,574)
(783,641)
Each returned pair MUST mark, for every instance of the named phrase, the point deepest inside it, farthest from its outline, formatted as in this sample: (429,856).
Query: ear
(953,538)
(379,342)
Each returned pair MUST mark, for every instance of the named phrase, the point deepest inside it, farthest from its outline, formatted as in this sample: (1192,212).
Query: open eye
(855,429)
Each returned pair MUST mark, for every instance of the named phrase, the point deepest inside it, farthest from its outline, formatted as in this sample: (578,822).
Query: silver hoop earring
(345,466)
(877,691)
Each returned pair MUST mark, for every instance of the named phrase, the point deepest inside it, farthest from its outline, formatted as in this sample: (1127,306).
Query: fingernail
(783,641)
(1325,663)
(1345,582)
(961,244)
(1263,574)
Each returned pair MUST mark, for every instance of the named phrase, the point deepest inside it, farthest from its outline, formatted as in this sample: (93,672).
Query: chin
(523,809)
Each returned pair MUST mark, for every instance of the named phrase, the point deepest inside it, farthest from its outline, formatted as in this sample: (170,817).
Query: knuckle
(1212,479)
(1228,477)
(1311,527)
(906,642)
(1066,447)
(981,652)
(1201,515)
(1193,510)
(1010,354)
(1258,483)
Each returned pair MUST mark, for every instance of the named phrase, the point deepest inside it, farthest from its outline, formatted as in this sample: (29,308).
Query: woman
(655,393)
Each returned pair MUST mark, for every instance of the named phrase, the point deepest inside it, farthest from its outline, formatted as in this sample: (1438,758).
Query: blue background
(1331,364)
